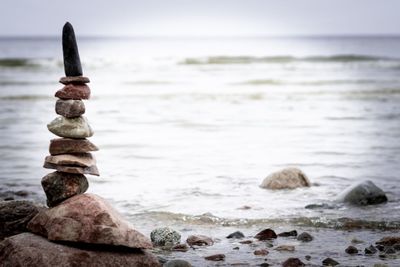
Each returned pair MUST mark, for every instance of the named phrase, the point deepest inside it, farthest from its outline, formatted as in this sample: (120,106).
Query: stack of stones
(79,229)
(69,155)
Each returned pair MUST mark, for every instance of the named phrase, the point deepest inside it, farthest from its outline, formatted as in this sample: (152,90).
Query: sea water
(189,127)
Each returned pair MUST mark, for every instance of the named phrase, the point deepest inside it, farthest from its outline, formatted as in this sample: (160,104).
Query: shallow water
(192,126)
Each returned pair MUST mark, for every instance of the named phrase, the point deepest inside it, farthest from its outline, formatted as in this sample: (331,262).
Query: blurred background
(194,103)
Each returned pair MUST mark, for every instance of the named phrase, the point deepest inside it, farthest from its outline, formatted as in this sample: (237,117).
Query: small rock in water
(180,247)
(70,146)
(216,257)
(74,79)
(397,246)
(288,178)
(307,257)
(266,234)
(351,250)
(71,128)
(356,241)
(285,248)
(236,235)
(71,169)
(177,263)
(74,91)
(78,160)
(380,247)
(329,262)
(362,194)
(199,240)
(286,234)
(319,206)
(390,250)
(246,242)
(59,186)
(389,240)
(70,108)
(370,250)
(293,262)
(15,215)
(165,237)
(305,237)
(261,252)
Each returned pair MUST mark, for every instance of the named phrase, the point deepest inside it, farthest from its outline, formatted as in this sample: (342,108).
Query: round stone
(70,128)
(70,108)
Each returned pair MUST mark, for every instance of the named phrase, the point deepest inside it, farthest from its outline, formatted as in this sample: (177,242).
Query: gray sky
(200,18)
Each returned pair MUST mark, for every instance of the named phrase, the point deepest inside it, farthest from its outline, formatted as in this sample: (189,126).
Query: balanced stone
(74,79)
(87,218)
(35,251)
(68,146)
(70,108)
(73,169)
(59,186)
(72,61)
(74,91)
(81,160)
(71,128)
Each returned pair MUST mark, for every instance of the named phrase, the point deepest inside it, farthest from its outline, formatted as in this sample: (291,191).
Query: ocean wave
(345,58)
(341,223)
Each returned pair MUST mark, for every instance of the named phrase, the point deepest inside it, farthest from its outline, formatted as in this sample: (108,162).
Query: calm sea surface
(192,126)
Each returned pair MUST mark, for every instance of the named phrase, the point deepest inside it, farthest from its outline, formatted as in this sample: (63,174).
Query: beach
(188,128)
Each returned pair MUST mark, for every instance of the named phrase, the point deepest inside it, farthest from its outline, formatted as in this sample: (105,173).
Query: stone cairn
(75,219)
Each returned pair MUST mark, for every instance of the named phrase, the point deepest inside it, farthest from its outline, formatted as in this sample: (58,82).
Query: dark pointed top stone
(72,62)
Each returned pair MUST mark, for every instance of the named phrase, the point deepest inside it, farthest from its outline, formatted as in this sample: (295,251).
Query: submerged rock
(71,146)
(236,235)
(351,250)
(180,247)
(165,237)
(15,216)
(389,240)
(289,248)
(329,262)
(261,252)
(370,250)
(199,240)
(60,186)
(74,91)
(70,108)
(288,178)
(177,263)
(362,194)
(287,234)
(305,237)
(266,234)
(87,218)
(71,128)
(293,262)
(31,250)
(216,257)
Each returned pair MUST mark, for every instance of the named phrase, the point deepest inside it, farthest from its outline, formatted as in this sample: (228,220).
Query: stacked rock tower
(87,230)
(70,155)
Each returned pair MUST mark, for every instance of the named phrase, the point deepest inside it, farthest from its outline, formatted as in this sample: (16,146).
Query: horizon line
(344,35)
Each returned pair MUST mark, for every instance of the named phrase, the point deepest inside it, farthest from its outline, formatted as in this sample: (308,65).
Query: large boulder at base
(87,218)
(31,250)
(15,215)
(362,194)
(288,178)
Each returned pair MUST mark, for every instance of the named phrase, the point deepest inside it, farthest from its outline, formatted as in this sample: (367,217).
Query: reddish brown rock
(216,257)
(70,108)
(73,169)
(60,186)
(74,91)
(199,240)
(70,146)
(389,240)
(266,234)
(180,247)
(74,79)
(81,160)
(87,218)
(31,250)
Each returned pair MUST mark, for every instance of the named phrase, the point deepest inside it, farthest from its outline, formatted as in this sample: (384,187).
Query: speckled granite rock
(165,237)
(70,108)
(288,178)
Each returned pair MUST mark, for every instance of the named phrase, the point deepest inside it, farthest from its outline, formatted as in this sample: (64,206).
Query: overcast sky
(200,18)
